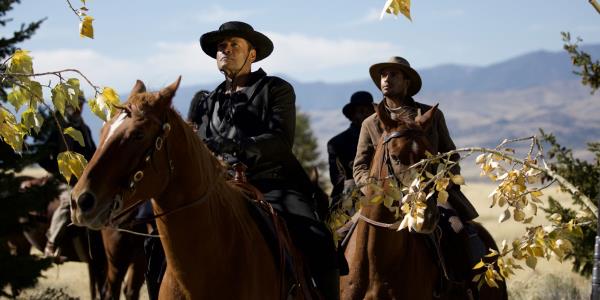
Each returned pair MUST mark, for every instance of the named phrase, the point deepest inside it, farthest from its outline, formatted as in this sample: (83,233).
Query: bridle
(387,158)
(156,148)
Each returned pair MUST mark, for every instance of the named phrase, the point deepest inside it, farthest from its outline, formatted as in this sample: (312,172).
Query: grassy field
(527,284)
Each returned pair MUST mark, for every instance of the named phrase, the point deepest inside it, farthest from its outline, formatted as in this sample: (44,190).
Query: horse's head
(132,161)
(404,143)
(406,140)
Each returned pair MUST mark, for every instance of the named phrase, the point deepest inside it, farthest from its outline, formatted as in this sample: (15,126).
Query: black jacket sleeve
(276,142)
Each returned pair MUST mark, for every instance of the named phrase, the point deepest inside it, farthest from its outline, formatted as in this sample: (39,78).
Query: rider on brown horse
(250,117)
(398,82)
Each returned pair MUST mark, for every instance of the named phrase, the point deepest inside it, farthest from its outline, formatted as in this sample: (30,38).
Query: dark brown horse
(390,264)
(125,256)
(112,254)
(76,242)
(213,246)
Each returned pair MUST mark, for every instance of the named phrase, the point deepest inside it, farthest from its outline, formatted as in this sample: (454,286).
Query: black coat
(261,119)
(342,150)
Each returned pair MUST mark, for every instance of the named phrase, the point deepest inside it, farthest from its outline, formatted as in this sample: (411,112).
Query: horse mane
(213,171)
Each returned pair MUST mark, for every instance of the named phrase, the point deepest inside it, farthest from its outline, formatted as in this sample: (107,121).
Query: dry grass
(535,282)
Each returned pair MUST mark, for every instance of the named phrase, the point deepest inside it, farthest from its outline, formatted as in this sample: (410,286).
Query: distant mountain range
(482,105)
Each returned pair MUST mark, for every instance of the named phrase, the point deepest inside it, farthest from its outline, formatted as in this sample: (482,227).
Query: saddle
(275,232)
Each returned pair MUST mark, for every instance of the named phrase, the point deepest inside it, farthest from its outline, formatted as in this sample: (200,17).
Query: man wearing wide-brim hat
(342,147)
(398,83)
(250,118)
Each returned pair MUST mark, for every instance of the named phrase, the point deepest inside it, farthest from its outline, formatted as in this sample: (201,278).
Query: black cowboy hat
(360,98)
(401,64)
(261,43)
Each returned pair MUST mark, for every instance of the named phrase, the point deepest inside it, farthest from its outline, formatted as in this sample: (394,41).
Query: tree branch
(595,4)
(74,10)
(561,180)
(58,74)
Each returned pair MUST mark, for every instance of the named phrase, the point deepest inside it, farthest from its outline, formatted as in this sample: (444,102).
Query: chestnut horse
(213,246)
(389,264)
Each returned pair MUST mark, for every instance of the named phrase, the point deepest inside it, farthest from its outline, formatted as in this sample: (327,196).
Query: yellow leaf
(75,134)
(21,63)
(11,132)
(458,179)
(479,265)
(71,164)
(518,215)
(442,197)
(97,110)
(376,199)
(32,119)
(85,27)
(536,193)
(489,278)
(395,7)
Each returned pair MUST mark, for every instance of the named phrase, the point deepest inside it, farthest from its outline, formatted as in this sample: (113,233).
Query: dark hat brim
(413,76)
(349,107)
(261,43)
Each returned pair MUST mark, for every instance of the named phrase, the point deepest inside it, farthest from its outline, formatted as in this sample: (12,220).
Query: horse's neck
(208,230)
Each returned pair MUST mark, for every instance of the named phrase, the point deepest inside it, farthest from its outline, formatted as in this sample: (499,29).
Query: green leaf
(17,98)
(60,96)
(35,92)
(75,134)
(71,164)
(74,92)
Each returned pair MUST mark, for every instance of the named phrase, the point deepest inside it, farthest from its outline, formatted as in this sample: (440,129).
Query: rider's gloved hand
(222,145)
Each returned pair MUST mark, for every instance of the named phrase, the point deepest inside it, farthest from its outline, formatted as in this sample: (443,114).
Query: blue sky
(330,41)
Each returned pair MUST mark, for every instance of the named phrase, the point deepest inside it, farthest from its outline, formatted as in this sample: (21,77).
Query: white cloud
(304,57)
(317,58)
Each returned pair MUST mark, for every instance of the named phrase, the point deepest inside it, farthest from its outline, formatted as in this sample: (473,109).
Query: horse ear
(167,93)
(139,87)
(426,119)
(384,116)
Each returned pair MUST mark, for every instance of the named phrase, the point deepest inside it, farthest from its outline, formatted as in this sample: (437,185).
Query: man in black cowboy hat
(250,118)
(399,82)
(342,147)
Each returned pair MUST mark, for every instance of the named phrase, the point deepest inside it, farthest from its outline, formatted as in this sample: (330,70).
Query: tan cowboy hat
(401,64)
(259,41)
